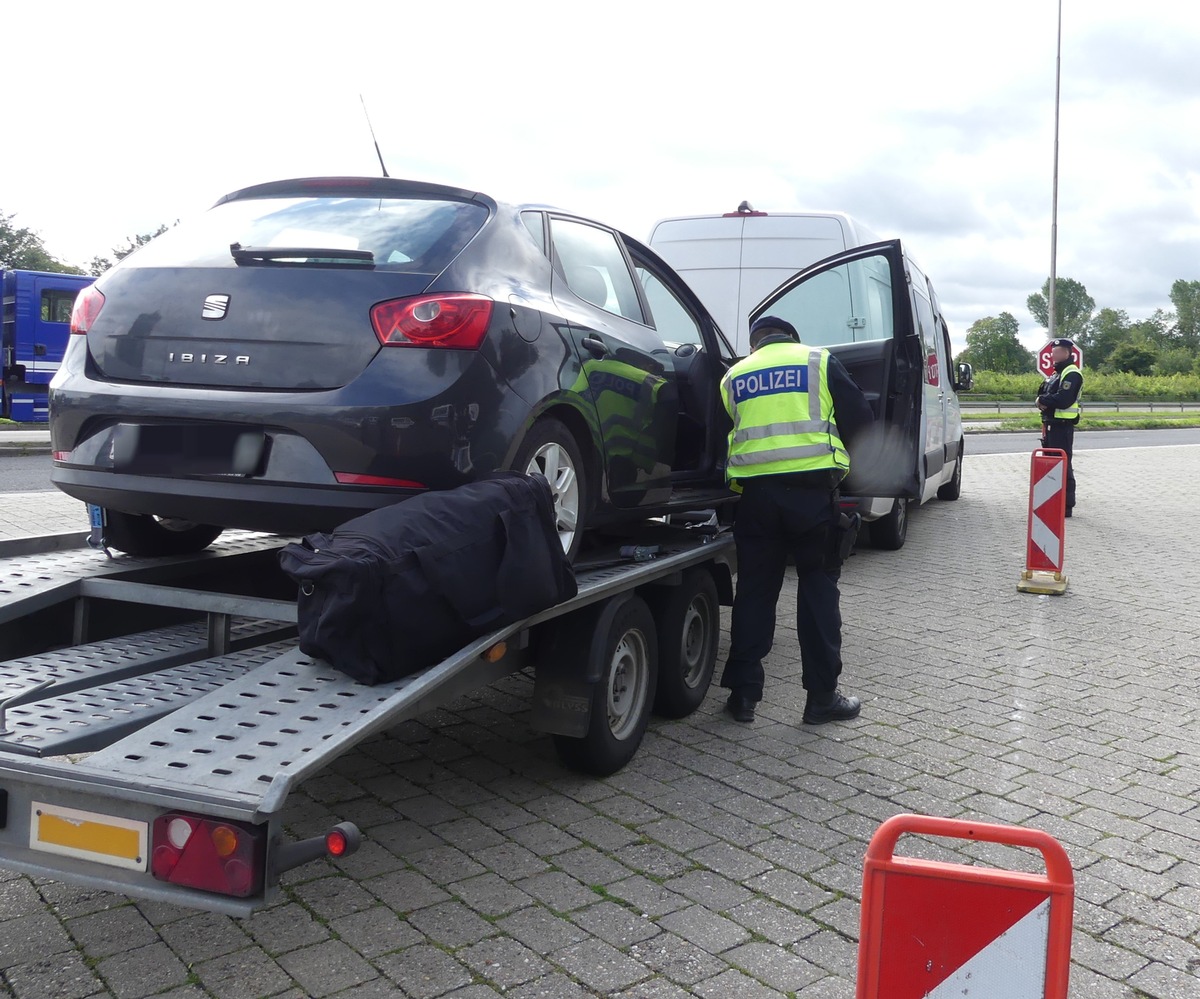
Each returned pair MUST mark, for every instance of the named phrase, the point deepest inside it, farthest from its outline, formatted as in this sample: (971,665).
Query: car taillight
(88,304)
(456,320)
(209,854)
(355,479)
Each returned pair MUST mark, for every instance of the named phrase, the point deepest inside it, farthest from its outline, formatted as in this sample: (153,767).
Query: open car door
(857,305)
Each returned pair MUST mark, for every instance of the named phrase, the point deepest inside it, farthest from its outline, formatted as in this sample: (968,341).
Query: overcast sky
(932,120)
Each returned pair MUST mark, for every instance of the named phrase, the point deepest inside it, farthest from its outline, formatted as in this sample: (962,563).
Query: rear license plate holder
(84,835)
(187,449)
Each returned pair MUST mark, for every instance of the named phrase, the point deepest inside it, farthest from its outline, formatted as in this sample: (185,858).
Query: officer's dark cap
(765,326)
(1062,341)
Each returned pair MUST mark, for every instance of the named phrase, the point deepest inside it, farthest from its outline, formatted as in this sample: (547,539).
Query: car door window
(851,303)
(671,318)
(595,268)
(533,222)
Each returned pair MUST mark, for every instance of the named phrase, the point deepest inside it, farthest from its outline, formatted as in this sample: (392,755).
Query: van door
(857,304)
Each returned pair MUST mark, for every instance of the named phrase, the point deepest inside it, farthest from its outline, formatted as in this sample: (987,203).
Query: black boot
(835,706)
(740,706)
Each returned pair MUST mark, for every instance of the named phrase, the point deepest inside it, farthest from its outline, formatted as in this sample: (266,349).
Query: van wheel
(140,534)
(624,650)
(688,619)
(953,489)
(889,532)
(549,449)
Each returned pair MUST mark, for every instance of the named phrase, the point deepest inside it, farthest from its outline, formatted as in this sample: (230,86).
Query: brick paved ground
(726,860)
(24,515)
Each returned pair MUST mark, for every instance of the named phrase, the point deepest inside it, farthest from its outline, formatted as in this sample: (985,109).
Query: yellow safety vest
(782,413)
(1073,411)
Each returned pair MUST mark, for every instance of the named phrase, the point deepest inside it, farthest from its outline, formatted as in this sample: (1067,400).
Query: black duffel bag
(401,588)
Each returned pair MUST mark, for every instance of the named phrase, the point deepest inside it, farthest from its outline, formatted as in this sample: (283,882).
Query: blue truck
(36,324)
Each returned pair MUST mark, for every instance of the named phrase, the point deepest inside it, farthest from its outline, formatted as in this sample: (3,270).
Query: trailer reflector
(71,832)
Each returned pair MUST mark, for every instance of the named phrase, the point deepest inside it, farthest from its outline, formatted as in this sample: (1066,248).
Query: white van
(872,306)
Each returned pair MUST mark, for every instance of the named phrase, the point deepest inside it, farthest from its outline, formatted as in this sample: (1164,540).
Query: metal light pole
(1054,197)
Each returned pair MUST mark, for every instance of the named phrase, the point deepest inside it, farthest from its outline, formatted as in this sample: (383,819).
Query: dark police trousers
(773,521)
(1061,435)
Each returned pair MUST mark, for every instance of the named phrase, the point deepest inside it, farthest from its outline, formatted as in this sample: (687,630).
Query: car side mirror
(966,378)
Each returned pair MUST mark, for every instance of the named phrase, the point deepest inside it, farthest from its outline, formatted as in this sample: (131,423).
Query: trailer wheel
(953,489)
(139,534)
(688,618)
(889,532)
(624,650)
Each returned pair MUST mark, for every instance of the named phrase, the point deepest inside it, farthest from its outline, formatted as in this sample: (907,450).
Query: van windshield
(850,303)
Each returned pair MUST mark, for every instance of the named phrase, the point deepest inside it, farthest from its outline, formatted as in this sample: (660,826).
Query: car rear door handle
(595,346)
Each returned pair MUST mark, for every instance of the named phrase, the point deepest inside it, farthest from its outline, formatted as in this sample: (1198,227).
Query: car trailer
(155,714)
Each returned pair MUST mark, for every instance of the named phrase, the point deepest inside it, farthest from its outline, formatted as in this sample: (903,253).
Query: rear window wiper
(301,255)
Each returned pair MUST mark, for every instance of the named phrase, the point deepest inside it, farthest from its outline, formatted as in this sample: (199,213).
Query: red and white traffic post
(936,930)
(1045,544)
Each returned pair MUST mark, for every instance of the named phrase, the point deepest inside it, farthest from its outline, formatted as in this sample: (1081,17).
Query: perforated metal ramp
(30,582)
(102,691)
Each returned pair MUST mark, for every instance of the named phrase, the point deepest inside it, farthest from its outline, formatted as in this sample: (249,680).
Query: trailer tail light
(455,320)
(88,304)
(338,842)
(209,854)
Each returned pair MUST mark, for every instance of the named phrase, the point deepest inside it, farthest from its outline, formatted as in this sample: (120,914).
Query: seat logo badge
(215,307)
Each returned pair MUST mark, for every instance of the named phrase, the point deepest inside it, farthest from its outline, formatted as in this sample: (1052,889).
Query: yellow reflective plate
(106,839)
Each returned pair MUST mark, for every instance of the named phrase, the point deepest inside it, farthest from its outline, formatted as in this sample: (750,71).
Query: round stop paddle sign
(1046,365)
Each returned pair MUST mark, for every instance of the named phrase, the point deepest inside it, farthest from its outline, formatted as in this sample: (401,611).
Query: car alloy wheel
(554,462)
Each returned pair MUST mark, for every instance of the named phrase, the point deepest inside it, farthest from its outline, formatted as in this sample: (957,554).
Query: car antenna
(373,139)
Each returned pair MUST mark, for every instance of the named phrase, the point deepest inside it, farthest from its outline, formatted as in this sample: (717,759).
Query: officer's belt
(824,479)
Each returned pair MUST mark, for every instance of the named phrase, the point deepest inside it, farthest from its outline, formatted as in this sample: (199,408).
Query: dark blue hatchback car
(311,349)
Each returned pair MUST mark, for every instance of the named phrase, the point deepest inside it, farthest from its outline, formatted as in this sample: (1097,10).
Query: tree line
(1167,343)
(22,248)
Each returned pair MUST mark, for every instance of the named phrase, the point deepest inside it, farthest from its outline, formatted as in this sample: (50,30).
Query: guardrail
(1116,405)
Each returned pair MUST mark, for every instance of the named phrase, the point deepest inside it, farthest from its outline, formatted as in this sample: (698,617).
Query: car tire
(139,534)
(953,489)
(889,532)
(549,449)
(688,620)
(623,650)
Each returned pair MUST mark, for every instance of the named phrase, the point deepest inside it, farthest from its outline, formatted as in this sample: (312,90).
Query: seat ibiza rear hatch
(273,288)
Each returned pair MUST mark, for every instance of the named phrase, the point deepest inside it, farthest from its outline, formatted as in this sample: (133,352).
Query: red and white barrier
(1046,535)
(940,930)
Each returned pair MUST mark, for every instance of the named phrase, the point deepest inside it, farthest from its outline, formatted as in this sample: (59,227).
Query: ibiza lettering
(769,381)
(191,358)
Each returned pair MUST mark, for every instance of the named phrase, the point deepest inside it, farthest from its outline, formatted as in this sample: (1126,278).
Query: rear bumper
(868,507)
(274,507)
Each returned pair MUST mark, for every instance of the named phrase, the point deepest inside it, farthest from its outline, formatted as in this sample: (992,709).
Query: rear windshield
(415,235)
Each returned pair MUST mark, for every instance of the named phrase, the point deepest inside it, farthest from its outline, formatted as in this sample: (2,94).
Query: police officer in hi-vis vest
(795,409)
(1058,400)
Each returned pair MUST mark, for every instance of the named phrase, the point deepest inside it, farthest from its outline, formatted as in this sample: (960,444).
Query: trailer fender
(568,664)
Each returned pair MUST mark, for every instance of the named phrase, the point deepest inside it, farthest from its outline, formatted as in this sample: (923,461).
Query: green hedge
(992,386)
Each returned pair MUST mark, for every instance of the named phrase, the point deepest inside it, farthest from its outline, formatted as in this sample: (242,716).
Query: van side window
(592,262)
(851,303)
(671,318)
(926,327)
